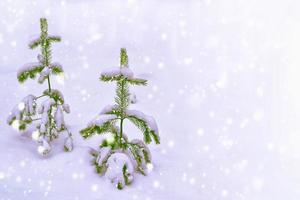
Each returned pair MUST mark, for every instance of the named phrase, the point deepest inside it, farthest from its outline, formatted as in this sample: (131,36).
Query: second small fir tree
(118,156)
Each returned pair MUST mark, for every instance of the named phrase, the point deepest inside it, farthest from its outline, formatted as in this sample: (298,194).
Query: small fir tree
(48,116)
(119,157)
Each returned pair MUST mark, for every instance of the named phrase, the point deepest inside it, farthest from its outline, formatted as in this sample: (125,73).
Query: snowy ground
(223,85)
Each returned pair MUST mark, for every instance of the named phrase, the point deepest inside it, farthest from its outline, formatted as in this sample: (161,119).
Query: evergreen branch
(55,94)
(113,144)
(111,109)
(123,58)
(36,119)
(109,78)
(22,122)
(46,52)
(56,68)
(143,126)
(143,148)
(29,73)
(104,128)
(122,99)
(54,38)
(136,153)
(137,81)
(155,137)
(44,25)
(138,157)
(34,43)
(125,175)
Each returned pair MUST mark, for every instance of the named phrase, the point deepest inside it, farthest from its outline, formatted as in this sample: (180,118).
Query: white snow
(133,98)
(45,105)
(29,103)
(111,72)
(59,118)
(115,165)
(126,71)
(44,148)
(142,144)
(44,74)
(43,110)
(118,71)
(25,106)
(46,71)
(68,143)
(66,108)
(108,109)
(103,154)
(40,58)
(15,113)
(255,43)
(101,119)
(42,128)
(35,135)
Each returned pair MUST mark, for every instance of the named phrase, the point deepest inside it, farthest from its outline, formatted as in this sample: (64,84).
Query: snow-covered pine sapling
(118,157)
(47,116)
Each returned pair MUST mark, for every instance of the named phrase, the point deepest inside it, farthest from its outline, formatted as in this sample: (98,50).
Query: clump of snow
(59,118)
(115,164)
(40,58)
(45,106)
(101,119)
(26,106)
(35,135)
(133,98)
(44,74)
(110,72)
(29,104)
(42,128)
(66,108)
(108,109)
(44,109)
(68,145)
(140,151)
(44,148)
(103,155)
(126,71)
(14,114)
(113,72)
(142,145)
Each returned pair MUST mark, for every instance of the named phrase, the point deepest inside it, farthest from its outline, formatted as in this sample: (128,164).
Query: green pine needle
(22,77)
(56,95)
(123,58)
(137,81)
(107,127)
(122,99)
